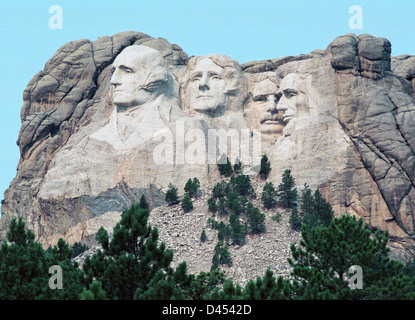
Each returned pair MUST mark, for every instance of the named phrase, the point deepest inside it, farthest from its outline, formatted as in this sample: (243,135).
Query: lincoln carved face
(212,85)
(292,99)
(139,74)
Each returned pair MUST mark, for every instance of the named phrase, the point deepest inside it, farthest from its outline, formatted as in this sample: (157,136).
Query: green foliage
(269,195)
(171,196)
(321,263)
(238,230)
(265,167)
(256,219)
(203,236)
(237,167)
(78,248)
(187,204)
(143,204)
(24,267)
(286,191)
(224,166)
(219,190)
(192,187)
(212,207)
(242,185)
(132,259)
(221,256)
(277,217)
(313,210)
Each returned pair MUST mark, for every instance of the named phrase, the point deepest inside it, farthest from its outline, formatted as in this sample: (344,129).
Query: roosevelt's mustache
(272,117)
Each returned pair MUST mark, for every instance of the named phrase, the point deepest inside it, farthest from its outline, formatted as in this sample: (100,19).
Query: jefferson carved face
(292,100)
(207,87)
(262,111)
(139,73)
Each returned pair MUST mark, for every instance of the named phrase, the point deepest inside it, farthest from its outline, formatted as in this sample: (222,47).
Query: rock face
(109,120)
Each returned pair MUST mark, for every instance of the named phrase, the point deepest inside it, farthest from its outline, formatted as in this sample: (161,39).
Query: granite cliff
(342,119)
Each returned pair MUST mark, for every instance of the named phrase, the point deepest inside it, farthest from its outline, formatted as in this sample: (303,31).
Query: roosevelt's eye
(261,97)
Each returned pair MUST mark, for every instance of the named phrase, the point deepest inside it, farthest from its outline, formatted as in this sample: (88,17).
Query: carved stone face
(139,73)
(262,111)
(292,100)
(207,87)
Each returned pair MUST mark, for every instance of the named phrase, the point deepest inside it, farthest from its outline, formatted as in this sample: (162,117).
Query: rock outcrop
(342,119)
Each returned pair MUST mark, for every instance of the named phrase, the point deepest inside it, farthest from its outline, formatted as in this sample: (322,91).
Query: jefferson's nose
(204,83)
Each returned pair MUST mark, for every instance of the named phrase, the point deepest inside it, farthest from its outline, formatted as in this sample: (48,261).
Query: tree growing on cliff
(171,196)
(286,191)
(192,187)
(265,167)
(133,263)
(322,263)
(143,204)
(187,204)
(269,195)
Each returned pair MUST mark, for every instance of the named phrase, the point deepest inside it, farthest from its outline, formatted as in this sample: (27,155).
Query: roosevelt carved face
(292,99)
(207,87)
(139,74)
(261,112)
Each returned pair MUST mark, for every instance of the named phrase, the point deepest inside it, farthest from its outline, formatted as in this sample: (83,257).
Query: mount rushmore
(107,121)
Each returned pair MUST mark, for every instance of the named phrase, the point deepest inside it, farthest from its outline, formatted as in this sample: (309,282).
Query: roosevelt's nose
(271,104)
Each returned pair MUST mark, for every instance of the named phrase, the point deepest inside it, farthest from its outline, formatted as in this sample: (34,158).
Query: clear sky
(245,30)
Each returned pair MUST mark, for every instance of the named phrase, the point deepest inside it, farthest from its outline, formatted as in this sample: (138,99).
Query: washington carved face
(139,72)
(292,100)
(207,87)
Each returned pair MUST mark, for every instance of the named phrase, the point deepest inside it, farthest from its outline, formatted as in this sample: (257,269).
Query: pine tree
(238,231)
(295,220)
(143,204)
(171,195)
(131,260)
(237,167)
(212,207)
(256,220)
(203,236)
(286,191)
(322,262)
(265,167)
(187,204)
(219,190)
(224,166)
(269,195)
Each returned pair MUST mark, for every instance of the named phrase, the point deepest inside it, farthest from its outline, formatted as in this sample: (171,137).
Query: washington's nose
(115,79)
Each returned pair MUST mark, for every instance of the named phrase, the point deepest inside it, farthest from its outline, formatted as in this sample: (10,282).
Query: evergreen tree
(286,191)
(212,207)
(187,204)
(171,195)
(256,219)
(143,204)
(131,260)
(265,167)
(237,167)
(321,264)
(224,166)
(192,187)
(295,220)
(203,236)
(219,190)
(238,231)
(243,185)
(78,248)
(269,195)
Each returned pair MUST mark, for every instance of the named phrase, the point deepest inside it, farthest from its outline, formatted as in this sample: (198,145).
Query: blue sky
(245,30)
